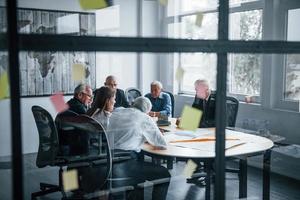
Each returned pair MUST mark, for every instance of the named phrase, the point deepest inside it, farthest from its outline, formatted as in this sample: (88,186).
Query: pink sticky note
(58,102)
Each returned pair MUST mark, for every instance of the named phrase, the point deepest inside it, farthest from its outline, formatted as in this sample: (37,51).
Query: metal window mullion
(15,107)
(219,189)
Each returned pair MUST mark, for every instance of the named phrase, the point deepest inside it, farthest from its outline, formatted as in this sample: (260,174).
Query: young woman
(103,105)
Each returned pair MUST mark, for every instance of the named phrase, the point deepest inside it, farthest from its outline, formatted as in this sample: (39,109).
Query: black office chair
(131,94)
(232,107)
(48,152)
(172,101)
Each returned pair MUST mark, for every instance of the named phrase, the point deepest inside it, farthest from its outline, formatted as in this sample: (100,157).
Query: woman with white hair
(128,130)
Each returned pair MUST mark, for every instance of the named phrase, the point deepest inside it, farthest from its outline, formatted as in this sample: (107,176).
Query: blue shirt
(161,104)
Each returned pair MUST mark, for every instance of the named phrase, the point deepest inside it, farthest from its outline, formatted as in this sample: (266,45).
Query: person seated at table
(128,130)
(111,82)
(103,105)
(161,101)
(83,97)
(205,100)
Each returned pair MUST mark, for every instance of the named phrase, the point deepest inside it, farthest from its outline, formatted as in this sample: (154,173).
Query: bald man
(121,101)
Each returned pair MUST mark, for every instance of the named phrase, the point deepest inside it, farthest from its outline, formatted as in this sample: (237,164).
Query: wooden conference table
(249,145)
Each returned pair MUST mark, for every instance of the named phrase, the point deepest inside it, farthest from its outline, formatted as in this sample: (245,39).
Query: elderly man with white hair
(161,101)
(128,130)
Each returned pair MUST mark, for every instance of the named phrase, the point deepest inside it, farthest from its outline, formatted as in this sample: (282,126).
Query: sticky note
(179,74)
(59,102)
(199,19)
(4,86)
(78,72)
(163,2)
(190,118)
(70,180)
(189,169)
(92,4)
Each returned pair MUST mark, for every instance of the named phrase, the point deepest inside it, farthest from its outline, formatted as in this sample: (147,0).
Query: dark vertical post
(266,175)
(221,102)
(15,107)
(243,178)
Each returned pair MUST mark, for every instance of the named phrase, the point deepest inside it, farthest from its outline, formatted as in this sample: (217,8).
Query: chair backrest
(96,133)
(131,94)
(232,107)
(172,101)
(70,141)
(48,138)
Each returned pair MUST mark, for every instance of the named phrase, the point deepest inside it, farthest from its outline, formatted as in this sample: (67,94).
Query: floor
(282,188)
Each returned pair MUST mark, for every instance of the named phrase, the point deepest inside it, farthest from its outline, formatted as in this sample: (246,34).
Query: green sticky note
(70,180)
(163,2)
(189,169)
(92,4)
(4,86)
(190,118)
(78,72)
(199,19)
(179,74)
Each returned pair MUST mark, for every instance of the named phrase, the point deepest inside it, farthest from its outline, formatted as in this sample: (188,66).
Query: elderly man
(205,100)
(128,130)
(161,101)
(121,101)
(83,97)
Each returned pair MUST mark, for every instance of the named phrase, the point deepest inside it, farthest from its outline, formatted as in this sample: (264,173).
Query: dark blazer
(121,100)
(208,108)
(76,106)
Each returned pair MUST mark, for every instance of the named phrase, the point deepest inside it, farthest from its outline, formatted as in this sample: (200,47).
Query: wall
(123,65)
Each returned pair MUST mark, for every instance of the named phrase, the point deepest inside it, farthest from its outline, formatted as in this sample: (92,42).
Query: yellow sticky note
(70,180)
(199,19)
(190,118)
(78,72)
(163,2)
(92,4)
(189,169)
(4,86)
(179,74)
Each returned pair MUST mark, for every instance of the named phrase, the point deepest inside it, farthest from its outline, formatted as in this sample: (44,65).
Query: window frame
(243,7)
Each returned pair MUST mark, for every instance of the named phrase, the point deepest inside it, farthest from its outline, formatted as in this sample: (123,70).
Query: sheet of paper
(199,19)
(59,102)
(190,118)
(179,74)
(208,145)
(78,72)
(4,86)
(189,169)
(70,180)
(92,4)
(163,2)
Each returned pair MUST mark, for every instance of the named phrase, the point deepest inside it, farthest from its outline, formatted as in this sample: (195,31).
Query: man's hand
(177,121)
(153,114)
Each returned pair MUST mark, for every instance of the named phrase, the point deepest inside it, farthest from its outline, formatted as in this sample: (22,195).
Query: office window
(292,62)
(244,70)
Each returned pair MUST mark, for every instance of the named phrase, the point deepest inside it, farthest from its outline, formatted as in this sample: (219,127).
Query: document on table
(208,145)
(206,140)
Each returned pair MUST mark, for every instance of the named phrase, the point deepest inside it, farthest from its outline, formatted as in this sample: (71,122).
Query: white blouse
(129,129)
